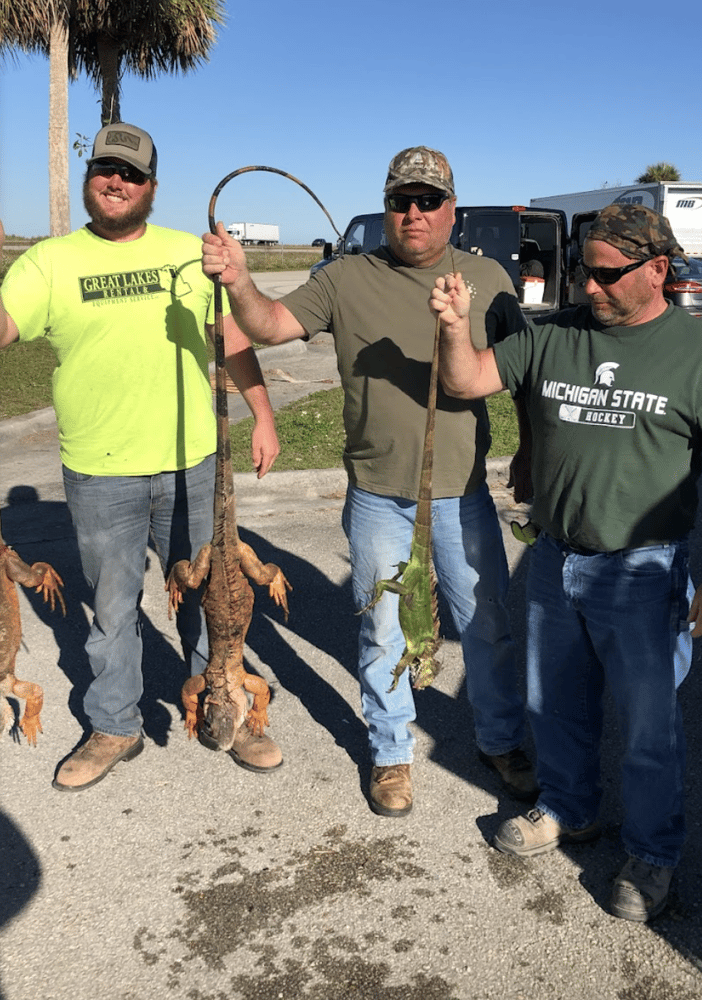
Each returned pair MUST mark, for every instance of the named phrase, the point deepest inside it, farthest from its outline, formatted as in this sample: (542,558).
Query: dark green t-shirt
(377,309)
(615,414)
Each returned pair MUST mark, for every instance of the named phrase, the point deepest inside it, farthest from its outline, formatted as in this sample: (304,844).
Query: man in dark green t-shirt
(614,396)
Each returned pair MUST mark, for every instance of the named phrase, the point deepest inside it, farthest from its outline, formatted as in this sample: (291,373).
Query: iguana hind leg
(265,574)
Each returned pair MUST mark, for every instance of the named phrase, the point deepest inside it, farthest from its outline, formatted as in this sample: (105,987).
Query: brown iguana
(47,581)
(415,582)
(225,563)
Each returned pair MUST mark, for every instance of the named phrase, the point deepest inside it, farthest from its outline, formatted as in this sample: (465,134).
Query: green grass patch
(503,424)
(311,432)
(278,259)
(25,378)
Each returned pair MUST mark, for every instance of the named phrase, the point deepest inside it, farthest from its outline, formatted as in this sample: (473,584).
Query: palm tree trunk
(59,205)
(109,59)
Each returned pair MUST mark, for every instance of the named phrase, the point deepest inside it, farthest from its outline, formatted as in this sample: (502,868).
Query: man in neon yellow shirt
(125,307)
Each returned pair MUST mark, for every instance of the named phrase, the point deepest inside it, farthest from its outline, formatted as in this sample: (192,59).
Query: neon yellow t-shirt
(126,321)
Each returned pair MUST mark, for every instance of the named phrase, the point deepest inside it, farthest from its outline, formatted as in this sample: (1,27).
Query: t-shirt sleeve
(514,357)
(25,294)
(312,304)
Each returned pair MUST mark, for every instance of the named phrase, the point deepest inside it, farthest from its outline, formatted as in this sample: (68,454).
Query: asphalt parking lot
(183,876)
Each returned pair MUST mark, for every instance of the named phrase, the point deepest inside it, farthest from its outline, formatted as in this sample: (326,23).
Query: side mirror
(327,253)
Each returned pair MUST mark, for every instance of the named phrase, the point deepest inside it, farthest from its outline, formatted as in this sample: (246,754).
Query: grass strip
(311,432)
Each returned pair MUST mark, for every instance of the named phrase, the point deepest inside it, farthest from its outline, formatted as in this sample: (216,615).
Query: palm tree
(657,172)
(104,39)
(43,26)
(145,37)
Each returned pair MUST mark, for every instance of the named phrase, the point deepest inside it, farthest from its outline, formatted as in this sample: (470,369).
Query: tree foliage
(104,39)
(657,172)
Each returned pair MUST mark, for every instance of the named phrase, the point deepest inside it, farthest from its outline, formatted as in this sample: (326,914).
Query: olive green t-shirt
(377,310)
(616,414)
(126,322)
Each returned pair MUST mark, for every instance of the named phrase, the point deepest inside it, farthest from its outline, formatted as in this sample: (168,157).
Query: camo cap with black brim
(639,232)
(419,165)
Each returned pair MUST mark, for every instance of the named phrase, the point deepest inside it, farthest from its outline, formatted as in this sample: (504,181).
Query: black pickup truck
(532,244)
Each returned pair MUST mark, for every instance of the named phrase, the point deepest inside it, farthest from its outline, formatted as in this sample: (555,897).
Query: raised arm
(464,372)
(263,320)
(8,328)
(244,370)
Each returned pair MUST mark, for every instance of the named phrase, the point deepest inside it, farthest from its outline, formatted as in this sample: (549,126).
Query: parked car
(319,242)
(683,285)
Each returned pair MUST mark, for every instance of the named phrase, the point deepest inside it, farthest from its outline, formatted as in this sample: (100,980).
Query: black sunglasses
(424,202)
(610,275)
(107,168)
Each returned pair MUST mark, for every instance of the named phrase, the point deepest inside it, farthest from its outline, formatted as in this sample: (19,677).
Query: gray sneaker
(640,891)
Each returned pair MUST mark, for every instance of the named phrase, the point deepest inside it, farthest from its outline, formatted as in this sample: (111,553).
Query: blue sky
(525,99)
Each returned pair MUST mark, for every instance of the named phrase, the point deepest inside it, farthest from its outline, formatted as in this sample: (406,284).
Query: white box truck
(254,233)
(679,201)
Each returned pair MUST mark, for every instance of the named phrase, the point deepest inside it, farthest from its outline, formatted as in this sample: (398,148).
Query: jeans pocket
(75,478)
(651,560)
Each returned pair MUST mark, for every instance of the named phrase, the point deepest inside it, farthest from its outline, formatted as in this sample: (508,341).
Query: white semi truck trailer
(679,201)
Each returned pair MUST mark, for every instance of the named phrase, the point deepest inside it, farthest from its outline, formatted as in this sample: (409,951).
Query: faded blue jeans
(473,575)
(114,516)
(609,618)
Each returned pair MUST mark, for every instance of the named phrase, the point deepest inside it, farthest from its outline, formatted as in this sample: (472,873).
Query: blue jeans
(614,618)
(114,517)
(472,571)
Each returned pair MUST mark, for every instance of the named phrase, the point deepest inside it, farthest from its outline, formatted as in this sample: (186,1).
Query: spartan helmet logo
(605,373)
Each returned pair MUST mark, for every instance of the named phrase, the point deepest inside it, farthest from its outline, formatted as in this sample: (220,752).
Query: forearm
(464,372)
(263,320)
(8,329)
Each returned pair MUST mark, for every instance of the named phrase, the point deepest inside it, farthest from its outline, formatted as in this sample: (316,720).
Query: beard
(123,225)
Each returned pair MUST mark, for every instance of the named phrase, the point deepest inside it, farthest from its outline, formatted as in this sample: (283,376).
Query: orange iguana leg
(193,687)
(50,585)
(185,574)
(257,718)
(268,574)
(39,575)
(34,699)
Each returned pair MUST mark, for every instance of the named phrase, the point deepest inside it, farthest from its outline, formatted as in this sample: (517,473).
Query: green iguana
(415,582)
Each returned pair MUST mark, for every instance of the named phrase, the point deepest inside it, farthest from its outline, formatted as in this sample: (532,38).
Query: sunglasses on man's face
(424,202)
(609,275)
(108,168)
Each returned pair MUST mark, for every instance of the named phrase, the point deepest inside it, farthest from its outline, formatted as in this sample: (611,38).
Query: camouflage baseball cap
(637,231)
(419,165)
(128,143)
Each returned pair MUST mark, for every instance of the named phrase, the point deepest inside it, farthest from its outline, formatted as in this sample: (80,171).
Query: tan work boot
(391,790)
(255,753)
(91,762)
(538,833)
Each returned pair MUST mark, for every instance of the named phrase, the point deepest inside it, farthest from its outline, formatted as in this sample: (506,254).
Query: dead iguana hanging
(46,581)
(225,563)
(415,582)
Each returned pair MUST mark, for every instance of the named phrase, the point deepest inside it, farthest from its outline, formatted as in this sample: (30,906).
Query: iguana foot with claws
(48,583)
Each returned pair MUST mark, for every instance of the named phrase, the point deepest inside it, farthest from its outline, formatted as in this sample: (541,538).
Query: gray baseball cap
(128,143)
(419,165)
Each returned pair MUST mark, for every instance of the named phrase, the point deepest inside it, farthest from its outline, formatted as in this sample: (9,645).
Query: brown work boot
(255,753)
(391,790)
(91,762)
(516,772)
